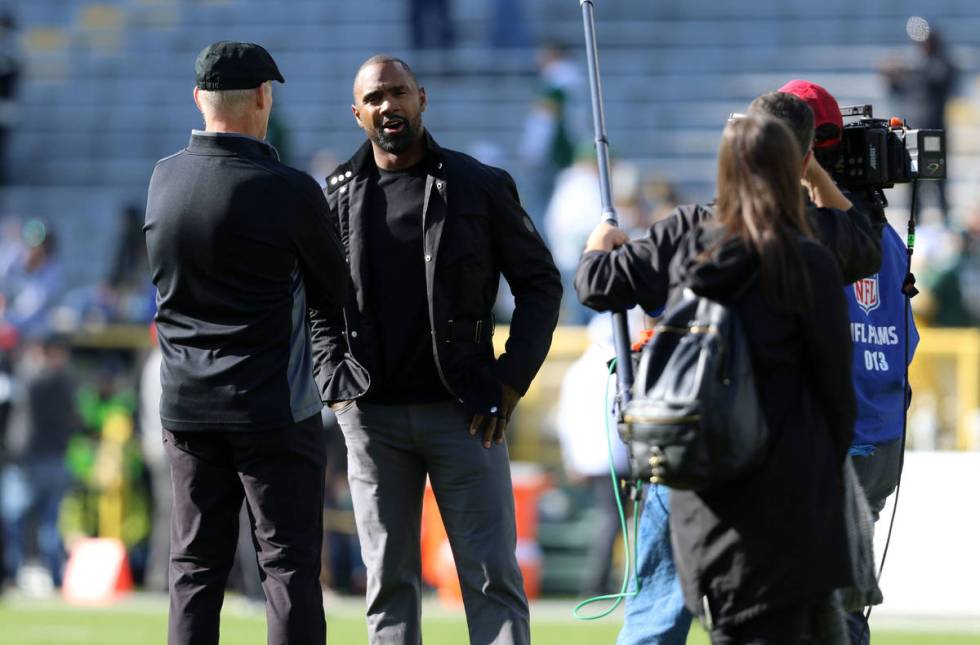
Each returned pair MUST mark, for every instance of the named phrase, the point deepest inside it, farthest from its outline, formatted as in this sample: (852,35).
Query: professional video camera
(879,153)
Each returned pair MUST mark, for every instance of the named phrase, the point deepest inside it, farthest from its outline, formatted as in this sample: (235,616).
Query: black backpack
(695,421)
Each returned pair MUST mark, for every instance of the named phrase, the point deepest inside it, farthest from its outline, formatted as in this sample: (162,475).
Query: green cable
(628,564)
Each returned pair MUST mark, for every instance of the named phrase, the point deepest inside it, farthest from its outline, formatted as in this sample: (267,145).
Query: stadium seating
(107,88)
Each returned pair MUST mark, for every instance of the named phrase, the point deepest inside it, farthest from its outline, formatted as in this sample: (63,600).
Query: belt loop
(478,330)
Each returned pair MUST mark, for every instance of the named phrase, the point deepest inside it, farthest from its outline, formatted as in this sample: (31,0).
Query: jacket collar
(228,144)
(362,164)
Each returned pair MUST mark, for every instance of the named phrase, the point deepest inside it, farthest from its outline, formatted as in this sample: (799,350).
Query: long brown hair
(760,201)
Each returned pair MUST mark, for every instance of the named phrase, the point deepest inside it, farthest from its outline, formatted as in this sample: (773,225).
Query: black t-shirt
(407,369)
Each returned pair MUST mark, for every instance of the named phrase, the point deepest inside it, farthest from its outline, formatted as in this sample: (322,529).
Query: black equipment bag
(695,421)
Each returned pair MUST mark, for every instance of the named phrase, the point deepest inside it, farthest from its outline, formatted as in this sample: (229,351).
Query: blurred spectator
(34,285)
(112,499)
(155,458)
(8,341)
(554,127)
(583,417)
(557,71)
(129,295)
(575,208)
(11,247)
(923,84)
(951,286)
(10,67)
(572,213)
(51,421)
(431,24)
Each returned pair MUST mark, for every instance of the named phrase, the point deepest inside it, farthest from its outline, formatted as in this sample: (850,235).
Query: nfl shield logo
(866,294)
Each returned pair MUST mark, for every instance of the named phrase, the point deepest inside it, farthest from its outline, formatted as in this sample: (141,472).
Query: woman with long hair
(759,557)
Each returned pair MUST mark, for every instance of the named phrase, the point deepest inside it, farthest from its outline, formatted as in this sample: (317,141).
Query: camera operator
(876,307)
(615,273)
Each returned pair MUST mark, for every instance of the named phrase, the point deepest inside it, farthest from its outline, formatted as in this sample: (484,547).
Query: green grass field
(143,621)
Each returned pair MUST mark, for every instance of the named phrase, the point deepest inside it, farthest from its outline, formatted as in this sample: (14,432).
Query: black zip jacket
(636,273)
(774,537)
(239,248)
(474,229)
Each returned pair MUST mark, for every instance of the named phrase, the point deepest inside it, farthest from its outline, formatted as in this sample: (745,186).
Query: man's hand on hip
(494,427)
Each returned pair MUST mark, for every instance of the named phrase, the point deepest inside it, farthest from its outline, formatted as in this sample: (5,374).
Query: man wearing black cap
(410,367)
(240,247)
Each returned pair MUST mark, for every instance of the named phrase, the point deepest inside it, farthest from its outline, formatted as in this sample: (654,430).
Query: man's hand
(823,191)
(493,428)
(606,237)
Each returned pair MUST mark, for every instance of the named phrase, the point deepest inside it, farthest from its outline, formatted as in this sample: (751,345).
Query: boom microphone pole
(621,333)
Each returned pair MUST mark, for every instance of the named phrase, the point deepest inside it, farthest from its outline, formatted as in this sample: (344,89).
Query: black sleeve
(535,282)
(852,239)
(637,272)
(321,256)
(327,322)
(827,340)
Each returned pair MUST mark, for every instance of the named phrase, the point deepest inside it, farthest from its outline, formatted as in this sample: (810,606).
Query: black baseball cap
(227,65)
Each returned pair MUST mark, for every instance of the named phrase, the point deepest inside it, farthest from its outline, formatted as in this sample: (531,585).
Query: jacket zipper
(430,184)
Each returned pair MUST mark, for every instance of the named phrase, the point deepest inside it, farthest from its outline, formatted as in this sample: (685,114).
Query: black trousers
(817,623)
(783,626)
(280,475)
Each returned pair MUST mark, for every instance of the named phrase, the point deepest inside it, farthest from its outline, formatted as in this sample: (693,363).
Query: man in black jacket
(615,273)
(410,369)
(239,247)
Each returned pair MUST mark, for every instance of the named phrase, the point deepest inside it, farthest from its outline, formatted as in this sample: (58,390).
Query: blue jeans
(656,615)
(47,482)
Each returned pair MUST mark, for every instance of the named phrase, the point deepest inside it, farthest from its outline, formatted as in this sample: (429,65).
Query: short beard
(399,142)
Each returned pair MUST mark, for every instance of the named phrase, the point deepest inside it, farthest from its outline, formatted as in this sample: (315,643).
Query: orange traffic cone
(97,572)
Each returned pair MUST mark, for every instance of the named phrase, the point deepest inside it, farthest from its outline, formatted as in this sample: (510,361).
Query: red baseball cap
(824,106)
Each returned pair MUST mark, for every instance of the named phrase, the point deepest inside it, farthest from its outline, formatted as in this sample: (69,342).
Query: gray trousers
(390,450)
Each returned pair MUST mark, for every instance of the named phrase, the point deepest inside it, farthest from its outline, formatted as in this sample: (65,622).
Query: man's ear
(197,100)
(260,97)
(357,115)
(422,100)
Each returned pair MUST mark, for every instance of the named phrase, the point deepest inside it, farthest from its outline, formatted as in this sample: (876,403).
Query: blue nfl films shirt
(876,306)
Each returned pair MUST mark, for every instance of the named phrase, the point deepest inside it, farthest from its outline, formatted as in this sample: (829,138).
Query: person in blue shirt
(882,344)
(881,340)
